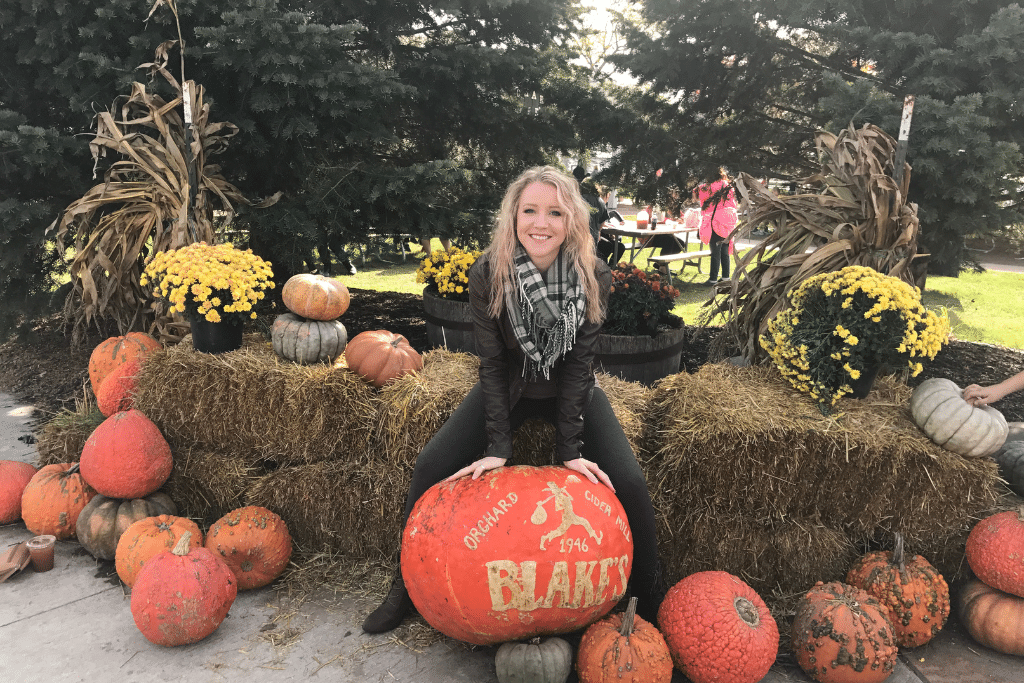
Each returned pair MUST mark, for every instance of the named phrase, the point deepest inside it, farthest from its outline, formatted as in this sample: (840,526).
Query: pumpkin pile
(311,332)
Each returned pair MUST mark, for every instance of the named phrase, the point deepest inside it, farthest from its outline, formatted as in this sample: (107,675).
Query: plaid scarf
(544,316)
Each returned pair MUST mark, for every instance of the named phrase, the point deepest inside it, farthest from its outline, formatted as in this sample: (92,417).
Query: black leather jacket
(502,362)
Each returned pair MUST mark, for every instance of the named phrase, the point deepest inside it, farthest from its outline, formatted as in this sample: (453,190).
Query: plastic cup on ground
(41,550)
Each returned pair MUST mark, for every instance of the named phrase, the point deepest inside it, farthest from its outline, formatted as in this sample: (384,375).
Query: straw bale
(206,485)
(62,438)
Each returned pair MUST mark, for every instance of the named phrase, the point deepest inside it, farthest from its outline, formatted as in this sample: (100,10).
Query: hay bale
(206,485)
(62,438)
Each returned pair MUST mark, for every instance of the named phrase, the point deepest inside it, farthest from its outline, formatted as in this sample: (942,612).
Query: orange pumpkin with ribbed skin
(315,297)
(718,629)
(380,356)
(993,618)
(623,648)
(182,596)
(53,499)
(843,635)
(117,390)
(113,351)
(126,456)
(995,551)
(148,537)
(14,477)
(103,520)
(253,542)
(913,591)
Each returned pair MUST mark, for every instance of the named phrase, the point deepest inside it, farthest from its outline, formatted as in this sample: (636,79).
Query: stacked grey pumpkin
(311,331)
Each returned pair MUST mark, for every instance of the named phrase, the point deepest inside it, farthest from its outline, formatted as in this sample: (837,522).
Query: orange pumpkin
(913,591)
(103,520)
(116,350)
(842,635)
(14,477)
(182,596)
(993,618)
(53,499)
(380,356)
(126,456)
(147,537)
(995,551)
(117,390)
(718,629)
(315,297)
(253,542)
(623,649)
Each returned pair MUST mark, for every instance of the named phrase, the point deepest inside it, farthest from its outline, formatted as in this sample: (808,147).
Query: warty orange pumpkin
(14,477)
(117,390)
(126,456)
(623,648)
(380,356)
(53,499)
(148,537)
(315,297)
(254,543)
(995,551)
(993,618)
(113,351)
(103,520)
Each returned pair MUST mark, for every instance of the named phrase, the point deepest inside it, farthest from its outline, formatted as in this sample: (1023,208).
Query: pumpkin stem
(1020,513)
(626,629)
(181,547)
(747,611)
(72,470)
(899,558)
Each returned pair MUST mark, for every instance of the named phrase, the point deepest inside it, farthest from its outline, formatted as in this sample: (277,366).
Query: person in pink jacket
(717,201)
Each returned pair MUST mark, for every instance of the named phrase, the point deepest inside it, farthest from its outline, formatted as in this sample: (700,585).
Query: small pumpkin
(718,629)
(912,590)
(315,297)
(53,499)
(103,520)
(623,649)
(308,341)
(1011,465)
(14,477)
(380,356)
(126,456)
(940,411)
(842,635)
(536,661)
(113,351)
(995,551)
(993,618)
(253,542)
(117,390)
(148,537)
(182,596)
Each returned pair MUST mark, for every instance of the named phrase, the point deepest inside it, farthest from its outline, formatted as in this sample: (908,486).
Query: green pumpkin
(537,661)
(308,341)
(102,521)
(1011,465)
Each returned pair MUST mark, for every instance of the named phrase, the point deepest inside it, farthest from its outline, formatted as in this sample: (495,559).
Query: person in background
(425,244)
(982,396)
(717,201)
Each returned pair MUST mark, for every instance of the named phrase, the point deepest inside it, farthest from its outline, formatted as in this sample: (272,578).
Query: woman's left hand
(590,470)
(479,467)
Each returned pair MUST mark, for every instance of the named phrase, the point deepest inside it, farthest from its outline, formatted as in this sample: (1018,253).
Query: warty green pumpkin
(308,341)
(940,411)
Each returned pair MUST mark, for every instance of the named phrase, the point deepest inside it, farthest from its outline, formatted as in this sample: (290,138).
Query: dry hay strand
(206,485)
(249,404)
(63,437)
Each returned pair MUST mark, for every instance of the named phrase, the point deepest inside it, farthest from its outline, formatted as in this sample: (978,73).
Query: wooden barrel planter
(641,359)
(449,323)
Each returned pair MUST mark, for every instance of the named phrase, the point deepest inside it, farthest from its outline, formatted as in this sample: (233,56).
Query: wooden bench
(687,257)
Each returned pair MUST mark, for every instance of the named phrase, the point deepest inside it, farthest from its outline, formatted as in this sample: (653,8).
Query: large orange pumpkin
(103,520)
(995,551)
(116,350)
(182,596)
(126,456)
(147,537)
(380,356)
(623,648)
(718,629)
(117,390)
(253,542)
(14,477)
(519,552)
(912,590)
(993,618)
(53,499)
(315,297)
(843,635)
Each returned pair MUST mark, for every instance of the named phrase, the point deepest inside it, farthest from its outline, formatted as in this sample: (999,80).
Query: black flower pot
(216,337)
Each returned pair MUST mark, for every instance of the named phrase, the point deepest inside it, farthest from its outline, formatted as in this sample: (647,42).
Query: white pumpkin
(940,411)
(308,341)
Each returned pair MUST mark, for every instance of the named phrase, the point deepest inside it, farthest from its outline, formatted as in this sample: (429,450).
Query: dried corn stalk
(853,215)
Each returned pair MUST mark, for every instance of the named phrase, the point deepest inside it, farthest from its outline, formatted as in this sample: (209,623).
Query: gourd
(307,341)
(14,477)
(117,390)
(53,499)
(103,520)
(623,649)
(253,542)
(182,596)
(842,635)
(126,456)
(113,351)
(995,551)
(993,618)
(940,411)
(380,356)
(1011,465)
(718,629)
(148,537)
(538,661)
(913,591)
(315,297)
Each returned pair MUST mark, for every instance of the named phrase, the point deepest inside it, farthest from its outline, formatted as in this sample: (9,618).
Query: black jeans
(719,256)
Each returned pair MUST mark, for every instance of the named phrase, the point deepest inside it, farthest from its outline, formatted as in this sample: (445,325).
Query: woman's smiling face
(540,224)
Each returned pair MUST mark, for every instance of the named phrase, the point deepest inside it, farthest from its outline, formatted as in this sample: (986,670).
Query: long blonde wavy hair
(578,246)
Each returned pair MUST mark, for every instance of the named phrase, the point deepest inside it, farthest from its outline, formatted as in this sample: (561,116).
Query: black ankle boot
(393,610)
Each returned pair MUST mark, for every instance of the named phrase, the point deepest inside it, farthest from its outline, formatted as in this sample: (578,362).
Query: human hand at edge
(479,467)
(981,396)
(590,470)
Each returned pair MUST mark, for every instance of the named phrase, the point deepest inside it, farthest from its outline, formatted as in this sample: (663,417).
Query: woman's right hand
(479,467)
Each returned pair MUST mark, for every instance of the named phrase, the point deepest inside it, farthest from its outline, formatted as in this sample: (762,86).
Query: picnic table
(642,237)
